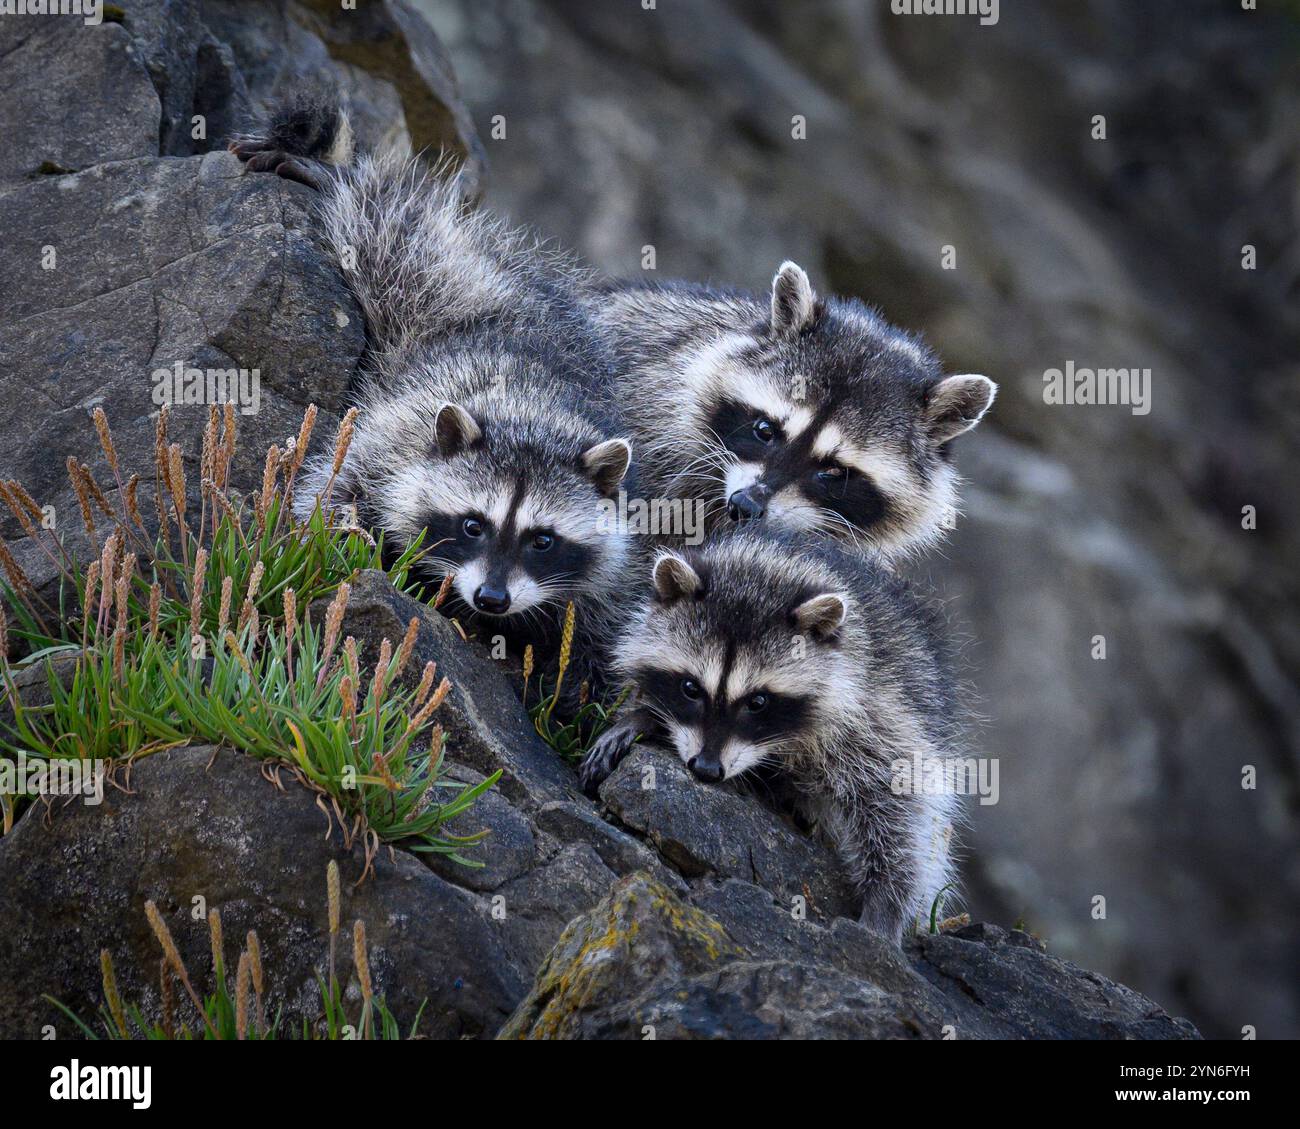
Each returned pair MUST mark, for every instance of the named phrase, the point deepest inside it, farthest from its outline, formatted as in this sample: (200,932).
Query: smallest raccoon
(757,650)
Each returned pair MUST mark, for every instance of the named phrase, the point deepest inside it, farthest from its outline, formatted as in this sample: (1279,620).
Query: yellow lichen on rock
(613,953)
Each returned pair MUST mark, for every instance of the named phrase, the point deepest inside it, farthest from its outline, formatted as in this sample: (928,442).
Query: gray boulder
(97,105)
(720,833)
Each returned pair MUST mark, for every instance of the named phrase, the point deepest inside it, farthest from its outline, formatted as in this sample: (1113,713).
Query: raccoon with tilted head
(763,650)
(812,413)
(485,421)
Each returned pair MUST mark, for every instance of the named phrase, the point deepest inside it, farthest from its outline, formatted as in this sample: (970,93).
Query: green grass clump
(214,644)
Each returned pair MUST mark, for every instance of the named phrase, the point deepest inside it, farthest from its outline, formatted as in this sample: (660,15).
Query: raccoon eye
(542,542)
(831,474)
(692,689)
(764,430)
(757,703)
(472,527)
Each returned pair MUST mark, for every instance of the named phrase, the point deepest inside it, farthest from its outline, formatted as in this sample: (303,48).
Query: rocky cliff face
(164,254)
(1122,777)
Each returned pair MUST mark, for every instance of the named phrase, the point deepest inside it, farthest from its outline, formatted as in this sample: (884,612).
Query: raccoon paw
(260,155)
(604,756)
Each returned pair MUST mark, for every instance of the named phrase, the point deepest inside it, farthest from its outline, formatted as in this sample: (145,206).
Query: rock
(97,105)
(637,939)
(623,854)
(388,40)
(1031,995)
(168,35)
(32,682)
(720,832)
(509,850)
(224,834)
(279,49)
(534,909)
(770,930)
(161,263)
(644,964)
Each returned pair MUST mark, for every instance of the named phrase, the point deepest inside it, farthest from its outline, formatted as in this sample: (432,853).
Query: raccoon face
(517,525)
(732,684)
(830,420)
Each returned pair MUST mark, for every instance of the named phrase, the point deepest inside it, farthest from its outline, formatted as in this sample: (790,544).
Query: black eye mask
(445,536)
(781,713)
(564,559)
(734,424)
(852,495)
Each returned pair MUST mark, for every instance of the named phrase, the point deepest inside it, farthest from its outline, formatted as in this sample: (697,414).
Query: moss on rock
(639,935)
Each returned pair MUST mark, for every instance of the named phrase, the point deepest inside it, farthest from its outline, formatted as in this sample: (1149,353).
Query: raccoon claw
(296,170)
(604,756)
(260,159)
(261,156)
(245,147)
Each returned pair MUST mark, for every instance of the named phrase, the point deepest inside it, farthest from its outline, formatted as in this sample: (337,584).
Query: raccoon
(485,419)
(810,412)
(764,651)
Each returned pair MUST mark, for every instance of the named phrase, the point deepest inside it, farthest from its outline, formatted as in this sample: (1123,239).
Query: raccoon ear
(956,404)
(606,463)
(675,579)
(822,615)
(455,429)
(794,305)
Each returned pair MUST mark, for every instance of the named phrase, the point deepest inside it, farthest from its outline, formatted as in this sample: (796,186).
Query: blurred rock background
(1120,778)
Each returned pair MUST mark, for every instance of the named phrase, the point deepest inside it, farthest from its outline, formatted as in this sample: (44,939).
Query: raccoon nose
(748,504)
(710,771)
(494,601)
